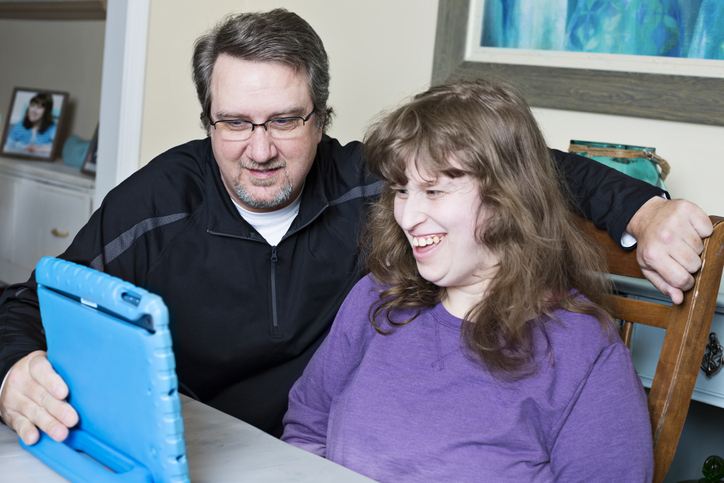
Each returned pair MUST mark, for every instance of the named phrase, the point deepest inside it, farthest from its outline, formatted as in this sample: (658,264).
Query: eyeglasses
(278,128)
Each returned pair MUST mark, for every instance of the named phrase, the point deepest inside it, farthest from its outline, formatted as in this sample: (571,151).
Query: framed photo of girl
(33,122)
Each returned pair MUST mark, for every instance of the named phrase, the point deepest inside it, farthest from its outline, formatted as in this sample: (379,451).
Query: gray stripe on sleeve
(116,247)
(358,192)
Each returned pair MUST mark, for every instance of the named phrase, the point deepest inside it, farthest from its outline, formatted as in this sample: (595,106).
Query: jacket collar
(223,217)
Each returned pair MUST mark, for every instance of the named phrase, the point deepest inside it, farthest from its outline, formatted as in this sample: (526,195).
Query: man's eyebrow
(291,112)
(229,115)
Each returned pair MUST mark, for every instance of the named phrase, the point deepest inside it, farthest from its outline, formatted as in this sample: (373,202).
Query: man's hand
(33,397)
(669,235)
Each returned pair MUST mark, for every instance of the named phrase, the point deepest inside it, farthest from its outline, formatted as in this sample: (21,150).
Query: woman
(489,356)
(36,132)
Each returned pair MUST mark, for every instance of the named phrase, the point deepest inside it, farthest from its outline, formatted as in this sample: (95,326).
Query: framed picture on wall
(89,164)
(649,61)
(32,124)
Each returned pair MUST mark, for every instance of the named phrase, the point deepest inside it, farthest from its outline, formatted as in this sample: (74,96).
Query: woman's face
(440,216)
(35,112)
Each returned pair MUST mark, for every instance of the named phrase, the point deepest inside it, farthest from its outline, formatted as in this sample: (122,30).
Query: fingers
(32,399)
(674,261)
(676,295)
(42,372)
(27,431)
(669,236)
(30,417)
(682,220)
(698,219)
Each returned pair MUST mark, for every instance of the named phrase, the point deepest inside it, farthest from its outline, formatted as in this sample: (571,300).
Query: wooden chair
(687,330)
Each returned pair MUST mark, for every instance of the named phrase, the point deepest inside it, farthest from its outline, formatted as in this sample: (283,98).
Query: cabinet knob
(58,233)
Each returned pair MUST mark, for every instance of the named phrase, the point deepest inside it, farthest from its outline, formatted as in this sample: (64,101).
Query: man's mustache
(262,166)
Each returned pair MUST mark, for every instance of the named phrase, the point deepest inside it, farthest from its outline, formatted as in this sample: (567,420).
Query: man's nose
(261,146)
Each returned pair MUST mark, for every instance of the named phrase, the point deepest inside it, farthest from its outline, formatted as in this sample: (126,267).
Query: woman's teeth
(425,241)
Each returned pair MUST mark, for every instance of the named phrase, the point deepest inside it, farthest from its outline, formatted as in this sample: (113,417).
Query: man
(251,235)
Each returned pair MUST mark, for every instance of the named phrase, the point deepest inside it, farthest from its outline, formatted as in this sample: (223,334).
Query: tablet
(109,340)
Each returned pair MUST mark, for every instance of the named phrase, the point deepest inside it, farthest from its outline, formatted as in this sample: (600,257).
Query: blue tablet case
(109,340)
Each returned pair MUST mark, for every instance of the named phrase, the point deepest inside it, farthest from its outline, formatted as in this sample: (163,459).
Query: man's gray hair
(275,36)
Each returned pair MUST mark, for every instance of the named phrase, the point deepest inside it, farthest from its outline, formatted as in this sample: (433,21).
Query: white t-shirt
(274,224)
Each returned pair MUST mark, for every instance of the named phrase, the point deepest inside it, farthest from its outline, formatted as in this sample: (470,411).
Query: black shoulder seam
(359,192)
(120,244)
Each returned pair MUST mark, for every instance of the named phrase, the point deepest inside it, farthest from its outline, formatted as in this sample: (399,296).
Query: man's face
(262,174)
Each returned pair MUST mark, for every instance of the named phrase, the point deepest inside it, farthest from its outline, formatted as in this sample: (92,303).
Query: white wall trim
(122,89)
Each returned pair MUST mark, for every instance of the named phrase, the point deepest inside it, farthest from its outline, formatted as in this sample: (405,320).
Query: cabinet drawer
(48,218)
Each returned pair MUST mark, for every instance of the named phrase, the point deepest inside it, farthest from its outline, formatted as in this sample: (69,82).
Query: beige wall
(56,55)
(380,53)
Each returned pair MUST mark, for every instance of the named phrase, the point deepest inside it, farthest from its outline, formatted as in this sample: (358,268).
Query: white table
(219,448)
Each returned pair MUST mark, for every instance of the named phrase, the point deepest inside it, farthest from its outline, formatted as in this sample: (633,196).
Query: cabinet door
(646,344)
(48,219)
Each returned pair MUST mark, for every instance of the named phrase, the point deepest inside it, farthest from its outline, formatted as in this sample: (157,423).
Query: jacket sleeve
(112,241)
(606,436)
(607,197)
(21,330)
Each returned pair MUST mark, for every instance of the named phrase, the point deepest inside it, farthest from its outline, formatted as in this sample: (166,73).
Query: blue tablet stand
(109,341)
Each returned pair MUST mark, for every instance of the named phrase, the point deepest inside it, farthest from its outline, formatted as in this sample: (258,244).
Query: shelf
(44,10)
(53,172)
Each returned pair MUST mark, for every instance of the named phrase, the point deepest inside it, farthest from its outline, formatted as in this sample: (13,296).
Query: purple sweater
(411,406)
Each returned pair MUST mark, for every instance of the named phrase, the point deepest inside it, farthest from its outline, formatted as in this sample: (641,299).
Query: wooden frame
(39,142)
(43,10)
(655,96)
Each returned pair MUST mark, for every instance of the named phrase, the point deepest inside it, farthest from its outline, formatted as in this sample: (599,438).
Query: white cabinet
(43,205)
(646,342)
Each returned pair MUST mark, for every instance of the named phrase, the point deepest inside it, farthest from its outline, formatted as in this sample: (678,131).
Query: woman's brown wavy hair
(545,261)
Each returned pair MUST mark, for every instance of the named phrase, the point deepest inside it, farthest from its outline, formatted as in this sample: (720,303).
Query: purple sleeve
(328,374)
(607,434)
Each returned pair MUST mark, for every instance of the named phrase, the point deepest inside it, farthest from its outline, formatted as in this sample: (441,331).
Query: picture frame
(34,124)
(89,163)
(664,96)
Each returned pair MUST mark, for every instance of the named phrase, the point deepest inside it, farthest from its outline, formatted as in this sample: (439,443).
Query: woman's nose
(409,213)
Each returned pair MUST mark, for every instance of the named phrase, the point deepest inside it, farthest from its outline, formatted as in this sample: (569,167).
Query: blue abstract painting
(668,28)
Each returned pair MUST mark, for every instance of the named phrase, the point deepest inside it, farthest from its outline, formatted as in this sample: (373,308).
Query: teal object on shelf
(636,161)
(74,151)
